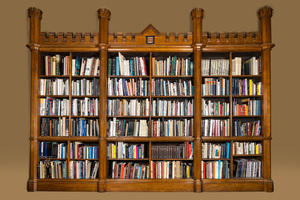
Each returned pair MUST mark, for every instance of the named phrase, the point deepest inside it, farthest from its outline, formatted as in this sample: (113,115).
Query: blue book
(125,87)
(84,128)
(131,67)
(192,153)
(123,130)
(90,153)
(228,150)
(117,66)
(45,149)
(40,151)
(177,128)
(219,170)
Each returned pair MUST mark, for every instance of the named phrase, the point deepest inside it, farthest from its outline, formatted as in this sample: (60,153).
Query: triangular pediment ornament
(150,30)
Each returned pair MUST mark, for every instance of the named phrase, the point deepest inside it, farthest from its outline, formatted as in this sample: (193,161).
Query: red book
(204,173)
(122,171)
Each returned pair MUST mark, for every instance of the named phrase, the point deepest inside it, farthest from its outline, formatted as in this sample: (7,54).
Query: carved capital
(197,46)
(197,12)
(265,12)
(267,46)
(35,12)
(103,13)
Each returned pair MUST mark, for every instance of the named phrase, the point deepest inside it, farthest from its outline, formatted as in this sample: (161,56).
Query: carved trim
(231,38)
(69,38)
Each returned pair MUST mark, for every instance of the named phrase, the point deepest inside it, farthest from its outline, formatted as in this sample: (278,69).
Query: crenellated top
(69,39)
(35,12)
(197,12)
(156,38)
(103,12)
(265,12)
(231,38)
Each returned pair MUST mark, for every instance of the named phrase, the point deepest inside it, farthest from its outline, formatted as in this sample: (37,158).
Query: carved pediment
(150,30)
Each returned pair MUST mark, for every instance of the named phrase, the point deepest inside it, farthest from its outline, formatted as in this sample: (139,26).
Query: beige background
(134,16)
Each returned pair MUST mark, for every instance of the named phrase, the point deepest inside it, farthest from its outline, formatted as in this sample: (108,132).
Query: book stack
(214,67)
(83,169)
(54,86)
(55,65)
(245,87)
(54,107)
(246,128)
(247,168)
(85,107)
(172,66)
(171,170)
(215,127)
(127,87)
(85,87)
(125,150)
(125,107)
(215,86)
(246,107)
(85,127)
(173,151)
(215,108)
(219,169)
(122,127)
(85,66)
(120,66)
(250,66)
(172,127)
(55,127)
(80,150)
(247,148)
(47,169)
(173,107)
(53,150)
(215,150)
(129,170)
(162,87)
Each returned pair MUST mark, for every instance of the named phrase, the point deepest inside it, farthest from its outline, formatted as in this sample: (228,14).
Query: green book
(109,66)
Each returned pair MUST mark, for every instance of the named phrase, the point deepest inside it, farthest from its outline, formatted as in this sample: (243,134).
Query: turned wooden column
(197,16)
(35,16)
(265,15)
(103,15)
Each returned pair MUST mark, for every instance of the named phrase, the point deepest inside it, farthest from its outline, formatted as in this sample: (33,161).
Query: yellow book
(250,87)
(114,151)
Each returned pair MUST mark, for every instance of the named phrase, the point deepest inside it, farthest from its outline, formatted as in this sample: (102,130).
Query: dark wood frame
(194,43)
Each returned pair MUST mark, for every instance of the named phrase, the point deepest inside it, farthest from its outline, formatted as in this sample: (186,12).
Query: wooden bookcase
(150,43)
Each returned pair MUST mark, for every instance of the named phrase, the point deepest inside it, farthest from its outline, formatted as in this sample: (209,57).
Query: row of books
(215,169)
(178,87)
(85,127)
(84,87)
(215,150)
(129,170)
(173,107)
(83,169)
(214,67)
(215,108)
(250,66)
(125,150)
(215,127)
(119,127)
(80,150)
(53,150)
(246,128)
(171,127)
(173,151)
(246,107)
(127,87)
(55,65)
(47,169)
(120,66)
(172,66)
(54,86)
(85,107)
(54,107)
(245,87)
(246,148)
(247,168)
(171,170)
(55,127)
(215,86)
(128,107)
(85,66)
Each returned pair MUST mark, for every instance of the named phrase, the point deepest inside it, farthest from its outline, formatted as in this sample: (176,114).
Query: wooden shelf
(194,46)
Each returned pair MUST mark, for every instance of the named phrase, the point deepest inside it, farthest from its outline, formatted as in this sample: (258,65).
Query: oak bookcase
(150,43)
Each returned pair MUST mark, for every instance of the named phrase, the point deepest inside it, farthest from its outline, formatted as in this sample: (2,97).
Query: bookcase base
(170,185)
